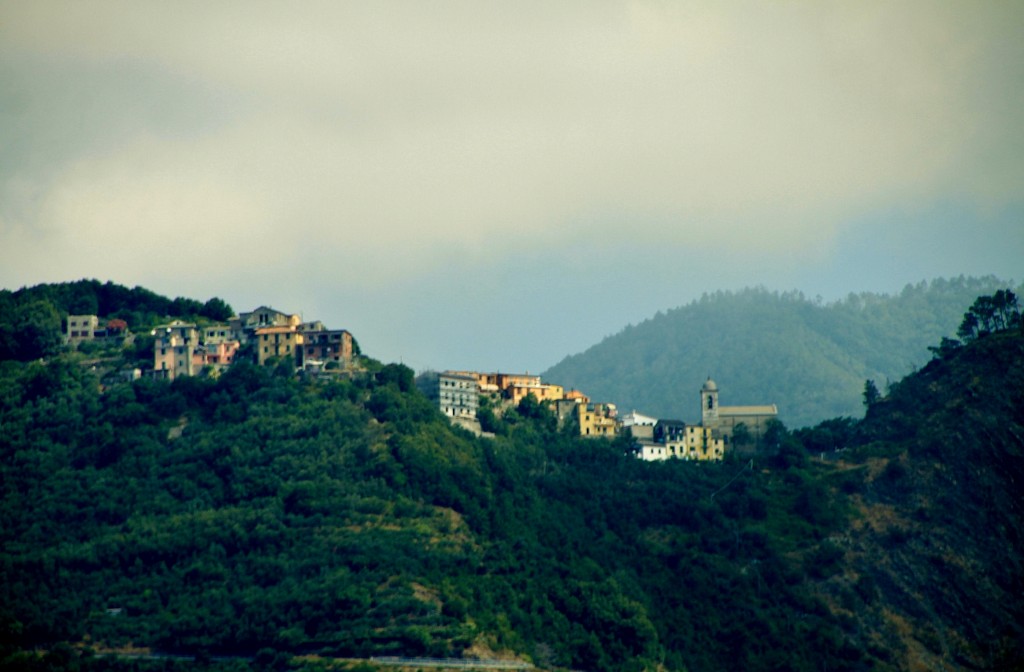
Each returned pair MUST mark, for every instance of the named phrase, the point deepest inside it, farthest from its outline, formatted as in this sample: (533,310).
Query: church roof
(769,409)
(709,386)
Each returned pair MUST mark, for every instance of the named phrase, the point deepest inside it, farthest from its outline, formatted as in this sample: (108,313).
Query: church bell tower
(709,404)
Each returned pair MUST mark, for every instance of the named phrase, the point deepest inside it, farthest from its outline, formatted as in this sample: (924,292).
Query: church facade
(741,428)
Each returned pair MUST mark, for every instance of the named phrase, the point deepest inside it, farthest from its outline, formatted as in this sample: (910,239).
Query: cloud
(378,142)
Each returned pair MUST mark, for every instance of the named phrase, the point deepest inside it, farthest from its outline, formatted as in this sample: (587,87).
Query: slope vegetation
(936,549)
(275,518)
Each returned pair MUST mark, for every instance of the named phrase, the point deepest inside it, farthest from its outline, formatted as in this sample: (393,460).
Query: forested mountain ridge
(266,516)
(808,357)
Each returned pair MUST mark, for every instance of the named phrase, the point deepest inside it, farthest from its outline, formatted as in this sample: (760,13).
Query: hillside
(275,518)
(935,550)
(809,358)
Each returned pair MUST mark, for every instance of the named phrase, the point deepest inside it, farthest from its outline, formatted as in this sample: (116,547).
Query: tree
(947,347)
(217,309)
(968,330)
(988,314)
(774,434)
(871,394)
(741,434)
(33,331)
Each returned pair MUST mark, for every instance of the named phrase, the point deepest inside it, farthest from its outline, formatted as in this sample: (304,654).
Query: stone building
(723,420)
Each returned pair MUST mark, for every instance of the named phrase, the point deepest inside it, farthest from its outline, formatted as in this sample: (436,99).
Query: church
(724,420)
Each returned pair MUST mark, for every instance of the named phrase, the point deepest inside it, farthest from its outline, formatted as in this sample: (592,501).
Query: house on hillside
(454,392)
(501,382)
(597,420)
(245,325)
(282,342)
(176,350)
(326,345)
(639,426)
(676,439)
(85,328)
(514,387)
(80,328)
(541,392)
(577,396)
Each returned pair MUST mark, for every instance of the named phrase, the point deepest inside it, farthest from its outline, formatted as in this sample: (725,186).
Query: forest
(807,356)
(305,524)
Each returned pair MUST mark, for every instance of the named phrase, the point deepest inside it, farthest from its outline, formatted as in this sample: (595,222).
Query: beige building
(80,328)
(175,350)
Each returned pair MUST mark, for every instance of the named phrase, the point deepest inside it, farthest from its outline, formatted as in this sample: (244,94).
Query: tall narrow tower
(709,404)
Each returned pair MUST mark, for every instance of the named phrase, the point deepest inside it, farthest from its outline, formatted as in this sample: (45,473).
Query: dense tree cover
(809,357)
(32,322)
(349,518)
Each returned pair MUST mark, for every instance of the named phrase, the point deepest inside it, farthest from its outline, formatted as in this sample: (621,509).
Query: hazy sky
(467,185)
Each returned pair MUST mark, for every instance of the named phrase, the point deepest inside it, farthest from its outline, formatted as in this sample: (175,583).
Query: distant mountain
(808,357)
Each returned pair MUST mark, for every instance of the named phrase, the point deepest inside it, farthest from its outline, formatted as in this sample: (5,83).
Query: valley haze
(496,188)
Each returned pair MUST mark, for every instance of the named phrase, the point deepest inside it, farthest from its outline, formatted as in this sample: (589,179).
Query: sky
(495,186)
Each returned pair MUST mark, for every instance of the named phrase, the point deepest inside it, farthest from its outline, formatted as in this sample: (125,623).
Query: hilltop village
(270,337)
(265,336)
(458,395)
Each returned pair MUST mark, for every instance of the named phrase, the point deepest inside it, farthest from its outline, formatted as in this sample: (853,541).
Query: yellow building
(501,382)
(597,420)
(697,443)
(283,342)
(540,392)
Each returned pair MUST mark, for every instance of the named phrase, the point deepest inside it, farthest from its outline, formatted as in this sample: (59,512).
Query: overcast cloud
(465,185)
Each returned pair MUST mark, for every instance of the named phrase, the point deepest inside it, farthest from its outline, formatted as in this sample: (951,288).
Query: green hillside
(809,358)
(299,524)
